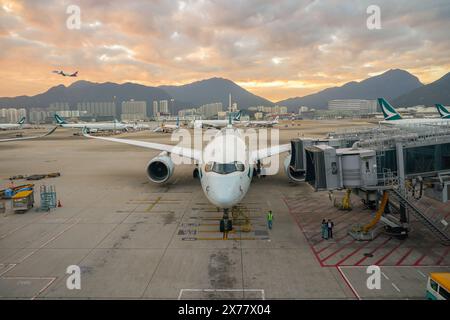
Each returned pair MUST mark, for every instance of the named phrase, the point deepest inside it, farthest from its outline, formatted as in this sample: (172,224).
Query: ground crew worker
(270,219)
(324,229)
(330,226)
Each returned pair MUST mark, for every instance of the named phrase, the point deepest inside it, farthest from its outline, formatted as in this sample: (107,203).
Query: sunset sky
(276,49)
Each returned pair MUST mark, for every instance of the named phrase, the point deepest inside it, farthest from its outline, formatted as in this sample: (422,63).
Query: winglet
(443,111)
(389,112)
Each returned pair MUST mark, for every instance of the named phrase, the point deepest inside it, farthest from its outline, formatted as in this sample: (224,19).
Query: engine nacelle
(293,175)
(160,169)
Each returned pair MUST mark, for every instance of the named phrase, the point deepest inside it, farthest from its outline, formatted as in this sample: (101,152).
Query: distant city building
(187,112)
(210,110)
(302,109)
(12,115)
(278,110)
(155,108)
(39,115)
(71,113)
(356,106)
(259,115)
(97,109)
(134,110)
(164,106)
(59,106)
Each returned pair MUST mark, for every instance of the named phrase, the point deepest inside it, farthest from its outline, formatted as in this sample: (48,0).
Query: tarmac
(134,239)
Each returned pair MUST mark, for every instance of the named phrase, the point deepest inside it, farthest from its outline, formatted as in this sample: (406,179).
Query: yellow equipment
(23,200)
(380,211)
(346,203)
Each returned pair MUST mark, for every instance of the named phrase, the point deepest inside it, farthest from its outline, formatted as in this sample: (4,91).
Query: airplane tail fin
(276,119)
(21,121)
(237,116)
(59,119)
(178,122)
(389,112)
(443,111)
(116,121)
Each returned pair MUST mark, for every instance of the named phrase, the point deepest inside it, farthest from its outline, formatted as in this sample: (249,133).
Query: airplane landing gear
(225,223)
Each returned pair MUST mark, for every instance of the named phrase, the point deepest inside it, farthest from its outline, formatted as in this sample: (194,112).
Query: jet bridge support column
(401,178)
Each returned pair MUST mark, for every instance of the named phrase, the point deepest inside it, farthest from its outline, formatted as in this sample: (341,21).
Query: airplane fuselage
(95,126)
(406,122)
(9,126)
(226,173)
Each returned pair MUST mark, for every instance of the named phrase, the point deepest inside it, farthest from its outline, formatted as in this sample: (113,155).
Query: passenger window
(433,285)
(444,293)
(240,166)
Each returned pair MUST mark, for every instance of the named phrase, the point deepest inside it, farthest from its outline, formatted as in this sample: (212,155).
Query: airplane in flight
(225,166)
(216,123)
(165,128)
(9,126)
(443,111)
(262,123)
(92,126)
(29,138)
(393,118)
(66,74)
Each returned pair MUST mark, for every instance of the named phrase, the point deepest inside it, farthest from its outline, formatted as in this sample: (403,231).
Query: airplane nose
(224,192)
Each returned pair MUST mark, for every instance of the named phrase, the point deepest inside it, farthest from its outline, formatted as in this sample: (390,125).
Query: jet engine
(293,175)
(160,169)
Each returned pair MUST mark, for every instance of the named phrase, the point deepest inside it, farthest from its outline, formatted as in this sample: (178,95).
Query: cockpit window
(224,168)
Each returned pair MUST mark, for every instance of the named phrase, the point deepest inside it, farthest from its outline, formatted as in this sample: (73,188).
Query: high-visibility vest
(270,216)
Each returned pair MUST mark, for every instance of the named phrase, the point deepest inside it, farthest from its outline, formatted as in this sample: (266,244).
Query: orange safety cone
(59,203)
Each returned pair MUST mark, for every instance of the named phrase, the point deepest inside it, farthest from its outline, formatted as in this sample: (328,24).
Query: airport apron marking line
(403,258)
(388,254)
(373,251)
(354,252)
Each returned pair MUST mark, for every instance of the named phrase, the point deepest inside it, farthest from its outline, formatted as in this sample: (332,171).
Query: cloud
(276,49)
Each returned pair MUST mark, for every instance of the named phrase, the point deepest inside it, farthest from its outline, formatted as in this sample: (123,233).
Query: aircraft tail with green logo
(60,120)
(443,111)
(21,121)
(389,112)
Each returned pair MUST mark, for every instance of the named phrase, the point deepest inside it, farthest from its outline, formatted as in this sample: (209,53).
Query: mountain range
(398,86)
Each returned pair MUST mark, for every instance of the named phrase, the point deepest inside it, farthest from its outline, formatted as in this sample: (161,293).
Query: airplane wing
(28,138)
(268,152)
(181,151)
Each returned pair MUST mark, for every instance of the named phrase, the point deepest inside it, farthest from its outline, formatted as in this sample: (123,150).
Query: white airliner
(8,126)
(393,118)
(216,123)
(262,123)
(164,127)
(225,166)
(92,126)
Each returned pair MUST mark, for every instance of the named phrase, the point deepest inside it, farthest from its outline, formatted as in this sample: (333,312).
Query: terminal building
(354,106)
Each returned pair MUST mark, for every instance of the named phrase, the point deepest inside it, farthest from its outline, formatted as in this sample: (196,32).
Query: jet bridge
(372,161)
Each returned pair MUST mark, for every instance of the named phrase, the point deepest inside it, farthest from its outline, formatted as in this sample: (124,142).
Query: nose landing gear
(226,224)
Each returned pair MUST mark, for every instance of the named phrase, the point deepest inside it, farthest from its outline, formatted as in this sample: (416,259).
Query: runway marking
(396,288)
(263,297)
(51,280)
(348,283)
(153,204)
(385,276)
(421,273)
(11,266)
